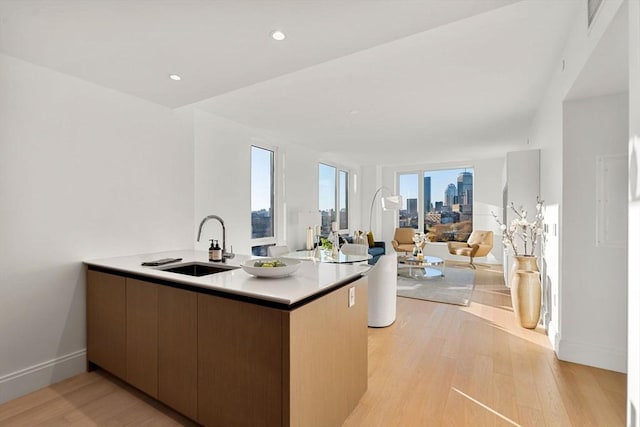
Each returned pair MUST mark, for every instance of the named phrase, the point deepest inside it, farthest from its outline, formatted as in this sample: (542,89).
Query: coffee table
(414,268)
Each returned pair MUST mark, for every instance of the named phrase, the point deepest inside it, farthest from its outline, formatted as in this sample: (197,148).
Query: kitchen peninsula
(229,348)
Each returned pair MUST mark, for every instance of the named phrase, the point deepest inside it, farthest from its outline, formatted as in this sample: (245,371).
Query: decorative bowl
(282,268)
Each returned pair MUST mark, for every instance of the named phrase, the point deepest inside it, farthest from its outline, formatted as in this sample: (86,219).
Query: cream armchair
(479,244)
(403,240)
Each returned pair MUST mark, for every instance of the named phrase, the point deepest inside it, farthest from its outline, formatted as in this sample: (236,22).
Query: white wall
(223,183)
(370,182)
(633,342)
(222,180)
(594,275)
(547,133)
(522,185)
(85,172)
(487,198)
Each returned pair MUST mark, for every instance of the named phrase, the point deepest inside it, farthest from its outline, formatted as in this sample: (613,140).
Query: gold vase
(526,297)
(522,262)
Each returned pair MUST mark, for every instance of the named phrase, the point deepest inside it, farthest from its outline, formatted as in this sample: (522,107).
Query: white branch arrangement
(521,230)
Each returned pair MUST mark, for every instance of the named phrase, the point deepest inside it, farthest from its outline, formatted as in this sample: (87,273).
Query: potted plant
(521,237)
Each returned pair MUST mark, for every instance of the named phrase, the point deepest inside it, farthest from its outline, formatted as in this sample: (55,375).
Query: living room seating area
(376,250)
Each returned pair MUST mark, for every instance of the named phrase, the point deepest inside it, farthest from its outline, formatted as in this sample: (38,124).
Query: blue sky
(260,178)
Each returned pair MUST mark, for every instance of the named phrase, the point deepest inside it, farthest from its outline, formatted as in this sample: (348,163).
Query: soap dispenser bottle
(215,252)
(211,249)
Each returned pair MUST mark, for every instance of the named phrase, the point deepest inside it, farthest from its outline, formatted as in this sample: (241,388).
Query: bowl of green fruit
(270,267)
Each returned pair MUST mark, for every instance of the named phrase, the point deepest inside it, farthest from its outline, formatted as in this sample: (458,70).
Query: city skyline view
(446,199)
(440,180)
(439,203)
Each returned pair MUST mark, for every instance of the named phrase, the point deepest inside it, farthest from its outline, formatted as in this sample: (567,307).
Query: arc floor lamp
(389,203)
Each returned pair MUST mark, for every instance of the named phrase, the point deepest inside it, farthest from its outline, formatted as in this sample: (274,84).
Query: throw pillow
(370,239)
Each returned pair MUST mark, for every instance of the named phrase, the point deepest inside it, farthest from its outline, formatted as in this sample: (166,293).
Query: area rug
(455,287)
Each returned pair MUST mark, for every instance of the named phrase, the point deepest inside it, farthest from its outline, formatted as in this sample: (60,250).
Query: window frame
(346,199)
(405,200)
(420,185)
(267,240)
(338,172)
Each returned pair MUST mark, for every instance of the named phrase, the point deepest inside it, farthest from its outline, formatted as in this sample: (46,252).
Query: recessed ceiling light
(175,77)
(278,35)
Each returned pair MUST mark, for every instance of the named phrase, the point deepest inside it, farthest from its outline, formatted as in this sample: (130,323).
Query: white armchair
(383,287)
(276,251)
(354,249)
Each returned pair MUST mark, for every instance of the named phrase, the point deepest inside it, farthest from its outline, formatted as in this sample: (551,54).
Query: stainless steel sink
(198,269)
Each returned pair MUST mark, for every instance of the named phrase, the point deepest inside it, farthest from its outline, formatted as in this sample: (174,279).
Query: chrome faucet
(225,254)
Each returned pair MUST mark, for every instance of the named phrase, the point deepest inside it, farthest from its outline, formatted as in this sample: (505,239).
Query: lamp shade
(391,203)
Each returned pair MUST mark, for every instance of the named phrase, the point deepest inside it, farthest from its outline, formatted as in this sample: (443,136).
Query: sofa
(376,251)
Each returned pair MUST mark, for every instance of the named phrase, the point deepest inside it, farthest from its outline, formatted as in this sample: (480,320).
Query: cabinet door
(178,349)
(239,363)
(142,336)
(327,357)
(106,317)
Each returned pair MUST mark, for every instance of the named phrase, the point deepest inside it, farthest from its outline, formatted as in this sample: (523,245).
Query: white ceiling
(386,82)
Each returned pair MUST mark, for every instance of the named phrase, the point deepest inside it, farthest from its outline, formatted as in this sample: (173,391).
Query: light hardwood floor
(437,365)
(445,365)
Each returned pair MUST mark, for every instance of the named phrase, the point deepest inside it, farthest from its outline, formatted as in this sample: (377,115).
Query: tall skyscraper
(412,206)
(450,195)
(465,188)
(427,194)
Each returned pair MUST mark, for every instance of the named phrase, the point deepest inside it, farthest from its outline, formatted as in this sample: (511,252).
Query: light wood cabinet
(327,358)
(239,363)
(260,366)
(178,349)
(142,336)
(106,322)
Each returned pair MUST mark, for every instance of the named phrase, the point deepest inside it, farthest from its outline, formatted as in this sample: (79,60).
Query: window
(448,204)
(262,193)
(443,198)
(333,196)
(261,250)
(343,202)
(408,189)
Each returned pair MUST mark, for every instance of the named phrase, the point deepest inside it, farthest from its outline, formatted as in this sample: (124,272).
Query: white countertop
(310,279)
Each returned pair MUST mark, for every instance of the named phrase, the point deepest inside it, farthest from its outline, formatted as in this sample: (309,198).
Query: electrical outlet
(352,296)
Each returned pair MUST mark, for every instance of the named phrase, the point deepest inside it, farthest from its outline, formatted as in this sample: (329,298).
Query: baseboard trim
(43,374)
(554,336)
(590,355)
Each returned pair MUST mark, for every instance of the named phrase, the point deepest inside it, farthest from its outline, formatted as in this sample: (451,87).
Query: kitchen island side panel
(327,357)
